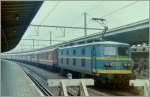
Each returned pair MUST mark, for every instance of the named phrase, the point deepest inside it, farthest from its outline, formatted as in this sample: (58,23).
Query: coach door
(93,57)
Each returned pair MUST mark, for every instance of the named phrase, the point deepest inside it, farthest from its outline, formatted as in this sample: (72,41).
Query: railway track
(42,76)
(42,85)
(43,89)
(43,80)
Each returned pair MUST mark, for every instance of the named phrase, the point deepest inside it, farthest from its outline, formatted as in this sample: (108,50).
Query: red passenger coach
(53,57)
(43,58)
(48,57)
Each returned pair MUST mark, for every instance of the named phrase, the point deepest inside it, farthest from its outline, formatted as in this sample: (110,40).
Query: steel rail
(44,90)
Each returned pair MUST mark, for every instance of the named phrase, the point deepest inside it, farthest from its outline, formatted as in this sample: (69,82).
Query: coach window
(83,62)
(61,60)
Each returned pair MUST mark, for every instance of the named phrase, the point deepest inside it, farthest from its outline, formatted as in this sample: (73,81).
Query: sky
(71,13)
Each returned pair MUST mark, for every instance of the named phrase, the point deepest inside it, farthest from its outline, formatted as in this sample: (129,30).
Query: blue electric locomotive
(104,60)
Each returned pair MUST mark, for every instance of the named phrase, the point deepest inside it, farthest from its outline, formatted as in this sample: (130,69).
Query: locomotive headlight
(125,64)
(106,64)
(110,64)
(128,64)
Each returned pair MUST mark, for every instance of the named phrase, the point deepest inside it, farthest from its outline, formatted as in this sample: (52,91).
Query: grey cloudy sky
(70,13)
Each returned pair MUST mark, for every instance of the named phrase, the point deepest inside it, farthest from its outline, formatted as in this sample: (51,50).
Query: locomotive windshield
(122,51)
(110,51)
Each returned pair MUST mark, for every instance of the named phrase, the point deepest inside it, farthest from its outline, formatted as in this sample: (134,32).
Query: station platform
(142,86)
(14,81)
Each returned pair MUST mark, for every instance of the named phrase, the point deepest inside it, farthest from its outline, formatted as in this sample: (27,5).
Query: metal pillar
(33,44)
(21,45)
(50,38)
(85,24)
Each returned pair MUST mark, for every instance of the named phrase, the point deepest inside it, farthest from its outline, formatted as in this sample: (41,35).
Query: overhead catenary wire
(97,5)
(50,12)
(91,9)
(37,31)
(113,12)
(45,18)
(117,10)
(106,15)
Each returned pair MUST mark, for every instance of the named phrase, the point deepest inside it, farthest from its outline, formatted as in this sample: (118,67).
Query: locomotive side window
(110,51)
(74,61)
(67,61)
(122,51)
(74,52)
(67,52)
(83,62)
(61,52)
(83,51)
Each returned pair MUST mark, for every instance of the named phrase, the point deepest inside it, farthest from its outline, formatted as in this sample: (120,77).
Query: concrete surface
(14,82)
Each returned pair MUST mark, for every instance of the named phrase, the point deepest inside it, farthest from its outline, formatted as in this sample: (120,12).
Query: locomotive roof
(96,43)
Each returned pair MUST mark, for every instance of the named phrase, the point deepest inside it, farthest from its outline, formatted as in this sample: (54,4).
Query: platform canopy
(15,18)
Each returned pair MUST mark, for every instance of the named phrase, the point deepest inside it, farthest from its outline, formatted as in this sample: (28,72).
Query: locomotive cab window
(110,51)
(122,51)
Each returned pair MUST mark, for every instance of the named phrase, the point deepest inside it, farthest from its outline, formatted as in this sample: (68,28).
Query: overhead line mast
(85,24)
